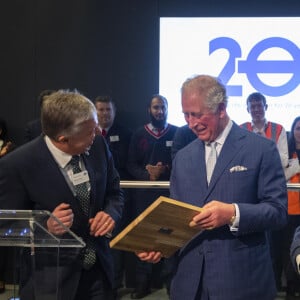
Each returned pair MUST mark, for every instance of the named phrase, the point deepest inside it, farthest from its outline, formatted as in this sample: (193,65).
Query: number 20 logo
(252,66)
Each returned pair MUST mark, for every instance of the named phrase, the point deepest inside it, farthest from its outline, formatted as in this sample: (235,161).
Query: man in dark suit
(39,175)
(116,135)
(244,197)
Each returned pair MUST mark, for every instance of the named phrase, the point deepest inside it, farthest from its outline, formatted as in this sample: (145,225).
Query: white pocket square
(237,169)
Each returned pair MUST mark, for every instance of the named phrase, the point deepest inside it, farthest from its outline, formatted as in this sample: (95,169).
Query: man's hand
(156,171)
(101,224)
(151,257)
(292,169)
(214,214)
(5,149)
(63,213)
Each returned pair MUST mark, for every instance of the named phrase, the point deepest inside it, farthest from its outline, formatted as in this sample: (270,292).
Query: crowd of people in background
(154,152)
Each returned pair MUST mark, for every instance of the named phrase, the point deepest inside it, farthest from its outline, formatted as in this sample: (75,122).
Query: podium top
(27,228)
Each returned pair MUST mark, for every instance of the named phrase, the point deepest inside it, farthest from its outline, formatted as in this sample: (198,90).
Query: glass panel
(27,228)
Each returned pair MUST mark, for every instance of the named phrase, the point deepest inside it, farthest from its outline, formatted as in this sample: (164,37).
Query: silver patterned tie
(83,197)
(211,160)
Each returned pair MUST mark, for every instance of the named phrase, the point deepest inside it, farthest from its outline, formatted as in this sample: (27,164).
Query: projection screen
(248,54)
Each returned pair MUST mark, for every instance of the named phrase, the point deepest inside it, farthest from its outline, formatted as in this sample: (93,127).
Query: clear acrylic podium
(25,232)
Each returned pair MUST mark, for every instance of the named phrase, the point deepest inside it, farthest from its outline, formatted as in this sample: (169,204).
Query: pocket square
(237,169)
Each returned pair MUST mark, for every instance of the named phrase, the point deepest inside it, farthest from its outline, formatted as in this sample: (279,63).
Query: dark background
(99,47)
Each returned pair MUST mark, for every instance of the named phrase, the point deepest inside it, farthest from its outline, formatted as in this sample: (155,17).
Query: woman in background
(293,176)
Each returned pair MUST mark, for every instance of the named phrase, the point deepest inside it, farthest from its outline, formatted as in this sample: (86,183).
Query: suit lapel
(233,144)
(48,162)
(57,179)
(198,155)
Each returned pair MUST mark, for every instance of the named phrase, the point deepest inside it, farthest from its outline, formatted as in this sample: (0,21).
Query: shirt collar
(223,135)
(106,128)
(256,130)
(62,158)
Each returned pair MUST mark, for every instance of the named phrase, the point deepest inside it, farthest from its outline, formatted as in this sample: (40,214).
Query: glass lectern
(25,231)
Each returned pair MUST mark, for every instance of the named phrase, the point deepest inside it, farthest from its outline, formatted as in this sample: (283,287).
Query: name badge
(80,177)
(114,138)
(169,143)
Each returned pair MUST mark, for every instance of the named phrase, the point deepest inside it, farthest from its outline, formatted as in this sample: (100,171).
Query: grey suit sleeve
(295,249)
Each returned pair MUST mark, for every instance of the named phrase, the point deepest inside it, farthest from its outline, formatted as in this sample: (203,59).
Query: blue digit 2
(234,50)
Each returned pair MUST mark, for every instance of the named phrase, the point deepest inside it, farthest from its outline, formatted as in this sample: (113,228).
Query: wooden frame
(163,226)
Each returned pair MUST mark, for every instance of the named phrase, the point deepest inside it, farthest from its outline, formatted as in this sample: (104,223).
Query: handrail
(166,185)
(293,186)
(145,184)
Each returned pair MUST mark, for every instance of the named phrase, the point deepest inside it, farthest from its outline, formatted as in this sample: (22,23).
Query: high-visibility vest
(272,130)
(294,197)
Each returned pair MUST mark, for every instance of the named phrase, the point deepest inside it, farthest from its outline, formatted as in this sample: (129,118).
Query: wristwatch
(232,219)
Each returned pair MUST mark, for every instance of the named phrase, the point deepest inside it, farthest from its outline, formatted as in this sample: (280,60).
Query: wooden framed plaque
(163,226)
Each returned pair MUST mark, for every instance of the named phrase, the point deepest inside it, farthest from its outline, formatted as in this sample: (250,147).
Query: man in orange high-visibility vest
(257,106)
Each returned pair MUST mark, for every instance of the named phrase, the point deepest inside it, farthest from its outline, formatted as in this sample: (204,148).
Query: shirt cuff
(298,263)
(235,225)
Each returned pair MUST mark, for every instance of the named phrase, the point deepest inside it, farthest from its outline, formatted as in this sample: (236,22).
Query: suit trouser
(94,285)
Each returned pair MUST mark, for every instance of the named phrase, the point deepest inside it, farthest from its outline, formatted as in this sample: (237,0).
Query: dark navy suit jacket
(231,265)
(118,139)
(31,179)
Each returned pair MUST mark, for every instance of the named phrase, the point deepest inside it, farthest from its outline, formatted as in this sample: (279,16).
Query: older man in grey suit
(237,177)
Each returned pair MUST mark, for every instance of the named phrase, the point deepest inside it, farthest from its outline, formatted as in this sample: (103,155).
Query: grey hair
(209,86)
(63,113)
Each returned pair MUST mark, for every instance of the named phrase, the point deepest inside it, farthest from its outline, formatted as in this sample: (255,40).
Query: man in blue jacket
(237,177)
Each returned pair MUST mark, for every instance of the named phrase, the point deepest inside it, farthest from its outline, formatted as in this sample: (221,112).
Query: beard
(158,123)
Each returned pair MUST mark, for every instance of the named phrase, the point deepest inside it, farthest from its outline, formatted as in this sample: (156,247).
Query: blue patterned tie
(83,196)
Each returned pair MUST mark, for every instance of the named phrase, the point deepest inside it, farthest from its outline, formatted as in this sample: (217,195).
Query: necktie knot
(103,132)
(74,162)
